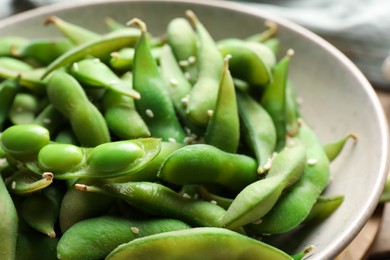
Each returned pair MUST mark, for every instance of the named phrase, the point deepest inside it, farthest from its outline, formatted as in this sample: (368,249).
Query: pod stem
(138,22)
(191,15)
(51,20)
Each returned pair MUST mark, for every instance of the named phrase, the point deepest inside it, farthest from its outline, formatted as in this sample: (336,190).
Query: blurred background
(359,28)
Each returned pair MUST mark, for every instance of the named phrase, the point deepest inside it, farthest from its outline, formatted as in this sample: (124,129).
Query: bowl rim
(341,242)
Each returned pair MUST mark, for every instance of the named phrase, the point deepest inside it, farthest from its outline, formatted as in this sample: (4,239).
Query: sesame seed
(75,66)
(191,59)
(172,140)
(183,63)
(185,100)
(149,113)
(173,82)
(210,112)
(312,161)
(96,60)
(186,195)
(187,75)
(213,202)
(47,121)
(114,54)
(135,230)
(196,196)
(188,131)
(256,222)
(114,81)
(13,185)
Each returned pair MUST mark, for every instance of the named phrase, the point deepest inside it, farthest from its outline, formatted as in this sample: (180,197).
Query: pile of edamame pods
(128,145)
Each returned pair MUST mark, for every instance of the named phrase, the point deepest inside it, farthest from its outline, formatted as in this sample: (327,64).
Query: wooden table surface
(373,242)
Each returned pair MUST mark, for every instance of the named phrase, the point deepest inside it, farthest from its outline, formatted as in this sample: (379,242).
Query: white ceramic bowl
(336,97)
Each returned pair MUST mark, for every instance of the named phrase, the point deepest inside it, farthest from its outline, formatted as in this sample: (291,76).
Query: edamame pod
(246,64)
(122,60)
(77,206)
(99,48)
(258,198)
(182,38)
(333,149)
(84,239)
(258,130)
(159,200)
(29,79)
(9,44)
(197,243)
(223,129)
(202,163)
(94,73)
(68,97)
(155,106)
(203,95)
(24,108)
(8,224)
(76,34)
(8,91)
(323,208)
(50,118)
(274,99)
(295,205)
(25,182)
(14,64)
(122,118)
(44,51)
(41,210)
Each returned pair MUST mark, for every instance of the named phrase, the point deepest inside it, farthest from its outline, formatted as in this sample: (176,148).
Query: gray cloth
(359,28)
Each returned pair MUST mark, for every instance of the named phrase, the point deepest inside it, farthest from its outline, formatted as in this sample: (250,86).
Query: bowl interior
(336,98)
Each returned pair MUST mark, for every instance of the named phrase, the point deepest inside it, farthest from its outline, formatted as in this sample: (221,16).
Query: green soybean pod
(94,73)
(258,198)
(258,130)
(68,97)
(45,51)
(8,224)
(41,210)
(8,91)
(295,205)
(246,64)
(24,108)
(274,99)
(160,201)
(14,64)
(23,142)
(75,33)
(323,208)
(121,116)
(155,105)
(77,206)
(197,243)
(223,129)
(31,79)
(26,182)
(34,245)
(333,149)
(203,95)
(84,240)
(202,163)
(182,38)
(99,48)
(10,44)
(50,118)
